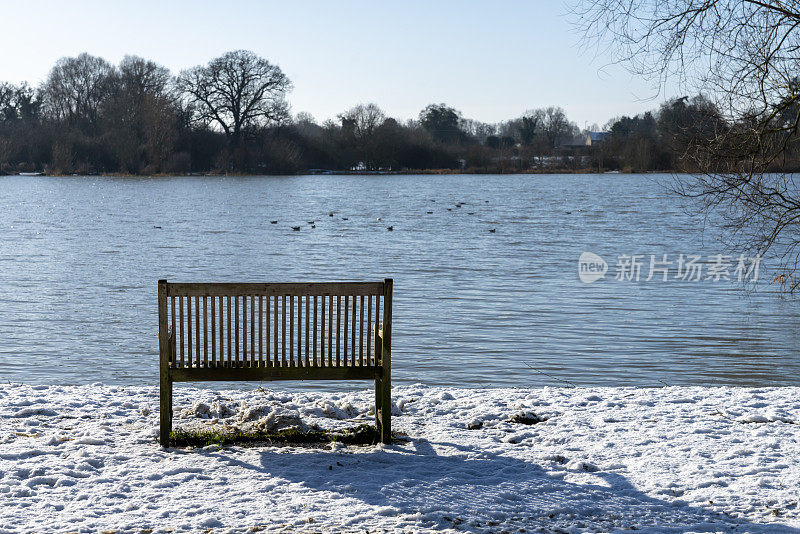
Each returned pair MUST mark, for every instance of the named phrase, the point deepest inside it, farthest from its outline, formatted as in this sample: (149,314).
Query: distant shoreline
(352,173)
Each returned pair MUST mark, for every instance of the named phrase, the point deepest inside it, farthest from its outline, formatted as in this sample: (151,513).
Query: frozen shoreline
(85,458)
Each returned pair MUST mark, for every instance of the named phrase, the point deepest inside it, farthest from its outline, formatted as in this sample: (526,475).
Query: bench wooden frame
(310,346)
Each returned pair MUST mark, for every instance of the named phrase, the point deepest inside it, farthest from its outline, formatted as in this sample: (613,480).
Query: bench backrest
(228,325)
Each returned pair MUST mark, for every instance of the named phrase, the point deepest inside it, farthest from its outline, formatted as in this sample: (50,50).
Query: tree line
(231,115)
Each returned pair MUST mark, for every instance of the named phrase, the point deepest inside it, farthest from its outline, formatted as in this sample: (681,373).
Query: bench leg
(165,410)
(383,407)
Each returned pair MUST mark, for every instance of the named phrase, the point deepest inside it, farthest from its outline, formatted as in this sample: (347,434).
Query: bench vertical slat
(260,331)
(213,331)
(267,320)
(355,335)
(330,330)
(244,330)
(253,319)
(361,333)
(221,361)
(218,358)
(322,333)
(354,332)
(253,360)
(276,359)
(378,382)
(197,331)
(295,353)
(205,331)
(236,331)
(241,360)
(189,330)
(253,348)
(346,315)
(283,331)
(308,320)
(291,331)
(351,337)
(369,330)
(338,329)
(174,333)
(229,362)
(240,315)
(246,346)
(377,355)
(299,330)
(347,326)
(315,330)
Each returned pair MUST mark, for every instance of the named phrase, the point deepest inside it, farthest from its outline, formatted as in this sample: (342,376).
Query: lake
(80,257)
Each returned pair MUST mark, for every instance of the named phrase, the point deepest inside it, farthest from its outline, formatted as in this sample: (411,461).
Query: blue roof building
(593,138)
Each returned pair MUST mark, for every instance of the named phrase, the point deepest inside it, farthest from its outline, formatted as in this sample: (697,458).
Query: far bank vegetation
(231,116)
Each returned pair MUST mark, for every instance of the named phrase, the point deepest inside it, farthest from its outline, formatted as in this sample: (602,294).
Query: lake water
(80,257)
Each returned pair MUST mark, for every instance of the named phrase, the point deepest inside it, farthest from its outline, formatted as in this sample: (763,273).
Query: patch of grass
(359,435)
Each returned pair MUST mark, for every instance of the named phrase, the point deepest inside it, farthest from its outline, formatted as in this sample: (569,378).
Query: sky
(490,60)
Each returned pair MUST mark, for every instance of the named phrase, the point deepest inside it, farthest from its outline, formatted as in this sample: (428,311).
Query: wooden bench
(262,332)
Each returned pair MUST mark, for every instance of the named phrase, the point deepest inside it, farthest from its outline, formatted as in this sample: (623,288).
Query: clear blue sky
(490,60)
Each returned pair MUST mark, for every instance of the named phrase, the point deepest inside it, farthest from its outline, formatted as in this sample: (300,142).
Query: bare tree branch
(744,56)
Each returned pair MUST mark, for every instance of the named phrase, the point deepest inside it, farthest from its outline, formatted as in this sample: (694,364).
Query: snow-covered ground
(604,459)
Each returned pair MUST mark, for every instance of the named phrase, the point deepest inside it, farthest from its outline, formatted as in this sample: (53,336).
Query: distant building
(570,142)
(593,138)
(581,141)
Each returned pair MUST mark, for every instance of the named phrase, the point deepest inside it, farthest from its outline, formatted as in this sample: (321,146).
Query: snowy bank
(678,459)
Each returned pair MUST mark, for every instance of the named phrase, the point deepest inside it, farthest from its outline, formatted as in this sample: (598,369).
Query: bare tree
(553,124)
(18,102)
(479,130)
(238,92)
(143,78)
(76,88)
(140,115)
(359,125)
(8,104)
(362,120)
(443,122)
(744,57)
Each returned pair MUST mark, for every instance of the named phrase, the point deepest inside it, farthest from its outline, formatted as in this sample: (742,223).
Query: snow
(674,459)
